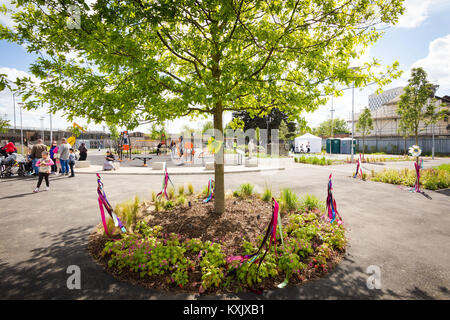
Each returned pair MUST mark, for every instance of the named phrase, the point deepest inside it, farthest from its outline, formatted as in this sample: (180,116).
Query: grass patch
(311,202)
(288,200)
(245,190)
(431,179)
(321,161)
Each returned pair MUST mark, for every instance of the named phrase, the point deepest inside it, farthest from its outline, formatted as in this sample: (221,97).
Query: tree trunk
(364,146)
(219,187)
(404,150)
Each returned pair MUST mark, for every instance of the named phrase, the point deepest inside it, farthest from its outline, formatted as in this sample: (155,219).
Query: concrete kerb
(171,171)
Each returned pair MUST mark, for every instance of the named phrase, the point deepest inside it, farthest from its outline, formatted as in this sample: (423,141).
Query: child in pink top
(44,164)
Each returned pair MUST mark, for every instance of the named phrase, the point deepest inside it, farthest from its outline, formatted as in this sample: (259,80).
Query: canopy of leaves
(271,121)
(417,103)
(4,125)
(324,129)
(365,122)
(131,62)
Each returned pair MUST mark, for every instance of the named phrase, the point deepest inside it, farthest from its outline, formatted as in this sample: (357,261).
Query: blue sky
(421,38)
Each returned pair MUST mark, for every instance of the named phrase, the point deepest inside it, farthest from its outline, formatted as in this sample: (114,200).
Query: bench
(251,162)
(209,165)
(82,164)
(143,158)
(158,165)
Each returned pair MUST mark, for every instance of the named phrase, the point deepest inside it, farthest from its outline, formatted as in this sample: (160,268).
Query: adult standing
(63,151)
(36,154)
(53,153)
(83,152)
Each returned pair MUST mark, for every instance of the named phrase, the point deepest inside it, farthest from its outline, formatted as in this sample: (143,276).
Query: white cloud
(437,62)
(416,13)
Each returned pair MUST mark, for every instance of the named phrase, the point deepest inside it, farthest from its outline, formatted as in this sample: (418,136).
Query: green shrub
(311,202)
(288,200)
(171,193)
(267,195)
(168,205)
(181,200)
(190,188)
(181,190)
(431,179)
(310,243)
(127,211)
(246,189)
(153,196)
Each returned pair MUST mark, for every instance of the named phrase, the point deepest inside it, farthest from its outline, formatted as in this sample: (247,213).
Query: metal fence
(396,145)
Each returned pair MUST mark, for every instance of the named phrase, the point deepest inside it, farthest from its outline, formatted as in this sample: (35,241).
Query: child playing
(72,158)
(44,164)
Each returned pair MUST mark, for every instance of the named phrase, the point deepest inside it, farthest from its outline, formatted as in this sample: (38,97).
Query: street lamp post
(353,120)
(332,110)
(268,119)
(51,129)
(21,127)
(14,102)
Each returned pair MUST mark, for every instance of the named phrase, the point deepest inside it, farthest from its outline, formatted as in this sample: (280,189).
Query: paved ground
(406,234)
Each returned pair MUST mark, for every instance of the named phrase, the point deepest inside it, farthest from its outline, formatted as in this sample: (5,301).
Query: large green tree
(137,61)
(417,106)
(327,127)
(364,125)
(4,125)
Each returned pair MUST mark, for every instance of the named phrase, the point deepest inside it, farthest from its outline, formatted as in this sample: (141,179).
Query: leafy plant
(288,200)
(171,193)
(311,202)
(246,190)
(267,195)
(190,188)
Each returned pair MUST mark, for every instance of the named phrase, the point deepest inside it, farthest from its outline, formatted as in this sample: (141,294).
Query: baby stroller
(12,164)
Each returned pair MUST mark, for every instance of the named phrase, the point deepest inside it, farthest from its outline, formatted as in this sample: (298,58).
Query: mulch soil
(244,218)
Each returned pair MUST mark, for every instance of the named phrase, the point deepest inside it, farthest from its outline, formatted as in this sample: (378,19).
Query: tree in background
(417,104)
(404,131)
(150,61)
(276,116)
(114,134)
(158,132)
(364,125)
(76,131)
(4,125)
(209,125)
(285,131)
(302,127)
(324,129)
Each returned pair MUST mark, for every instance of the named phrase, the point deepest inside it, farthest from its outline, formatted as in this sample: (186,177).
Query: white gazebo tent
(314,142)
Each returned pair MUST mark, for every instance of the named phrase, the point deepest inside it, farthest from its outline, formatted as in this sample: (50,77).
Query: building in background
(385,136)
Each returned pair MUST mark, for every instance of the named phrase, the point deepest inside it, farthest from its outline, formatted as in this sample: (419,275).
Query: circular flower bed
(182,245)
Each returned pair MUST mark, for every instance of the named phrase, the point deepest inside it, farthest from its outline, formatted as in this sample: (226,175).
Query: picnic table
(143,158)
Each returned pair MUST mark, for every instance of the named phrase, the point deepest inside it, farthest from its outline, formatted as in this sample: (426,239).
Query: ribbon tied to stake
(358,168)
(271,235)
(104,203)
(211,188)
(166,181)
(331,204)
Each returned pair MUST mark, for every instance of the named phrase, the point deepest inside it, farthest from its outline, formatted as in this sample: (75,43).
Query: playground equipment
(124,146)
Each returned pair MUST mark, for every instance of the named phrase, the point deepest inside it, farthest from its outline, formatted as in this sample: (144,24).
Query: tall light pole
(42,118)
(51,129)
(353,115)
(353,120)
(331,111)
(21,127)
(14,103)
